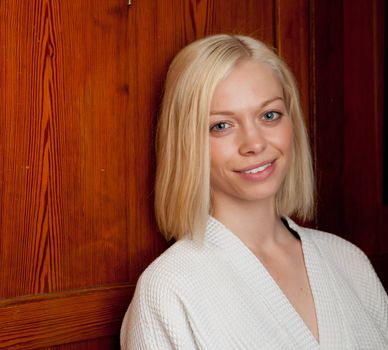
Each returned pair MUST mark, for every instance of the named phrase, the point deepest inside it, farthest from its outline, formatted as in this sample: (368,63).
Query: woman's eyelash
(272,115)
(220,126)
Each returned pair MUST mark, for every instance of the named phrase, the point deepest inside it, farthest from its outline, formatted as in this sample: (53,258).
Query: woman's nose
(252,141)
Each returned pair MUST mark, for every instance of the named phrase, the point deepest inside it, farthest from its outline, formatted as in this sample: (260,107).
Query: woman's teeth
(256,170)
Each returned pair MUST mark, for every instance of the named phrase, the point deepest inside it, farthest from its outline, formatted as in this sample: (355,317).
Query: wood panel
(366,216)
(348,39)
(63,204)
(35,322)
(98,343)
(363,148)
(64,173)
(327,59)
(292,34)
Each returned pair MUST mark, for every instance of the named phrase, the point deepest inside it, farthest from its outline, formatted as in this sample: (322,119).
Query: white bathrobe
(217,295)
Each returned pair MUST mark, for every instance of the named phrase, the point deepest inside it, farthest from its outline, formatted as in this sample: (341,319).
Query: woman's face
(250,137)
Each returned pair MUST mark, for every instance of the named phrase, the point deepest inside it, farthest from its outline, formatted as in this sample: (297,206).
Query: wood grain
(63,217)
(45,320)
(111,342)
(292,34)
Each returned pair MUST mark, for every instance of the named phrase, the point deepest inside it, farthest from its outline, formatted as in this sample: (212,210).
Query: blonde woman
(233,164)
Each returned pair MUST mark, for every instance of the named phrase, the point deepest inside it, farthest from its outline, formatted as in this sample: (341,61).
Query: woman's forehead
(249,82)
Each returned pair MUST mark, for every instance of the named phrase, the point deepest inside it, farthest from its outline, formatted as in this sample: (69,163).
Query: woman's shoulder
(333,241)
(176,266)
(329,242)
(158,305)
(342,255)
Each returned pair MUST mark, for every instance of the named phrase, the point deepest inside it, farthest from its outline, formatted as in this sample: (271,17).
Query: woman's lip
(255,166)
(258,176)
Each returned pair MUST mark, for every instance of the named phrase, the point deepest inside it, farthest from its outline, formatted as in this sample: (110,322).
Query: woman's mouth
(258,172)
(258,169)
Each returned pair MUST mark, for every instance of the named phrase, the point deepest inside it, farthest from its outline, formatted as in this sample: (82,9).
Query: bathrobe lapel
(340,311)
(264,291)
(327,303)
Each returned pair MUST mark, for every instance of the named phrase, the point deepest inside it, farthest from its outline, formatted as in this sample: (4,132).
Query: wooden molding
(34,322)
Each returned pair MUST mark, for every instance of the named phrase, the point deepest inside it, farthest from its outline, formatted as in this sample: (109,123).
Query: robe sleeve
(156,318)
(375,296)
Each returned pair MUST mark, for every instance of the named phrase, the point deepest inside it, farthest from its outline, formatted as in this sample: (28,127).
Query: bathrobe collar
(258,279)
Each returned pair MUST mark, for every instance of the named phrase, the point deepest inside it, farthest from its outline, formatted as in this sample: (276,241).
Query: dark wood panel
(328,114)
(93,344)
(45,320)
(347,83)
(384,90)
(365,217)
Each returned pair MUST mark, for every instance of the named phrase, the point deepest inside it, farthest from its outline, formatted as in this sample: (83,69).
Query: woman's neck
(255,223)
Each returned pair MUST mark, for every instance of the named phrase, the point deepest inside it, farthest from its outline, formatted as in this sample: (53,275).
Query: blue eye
(270,116)
(219,127)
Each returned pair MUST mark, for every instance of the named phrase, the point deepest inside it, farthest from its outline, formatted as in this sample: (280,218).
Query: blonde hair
(182,188)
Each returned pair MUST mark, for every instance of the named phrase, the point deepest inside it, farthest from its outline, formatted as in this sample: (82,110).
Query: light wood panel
(64,122)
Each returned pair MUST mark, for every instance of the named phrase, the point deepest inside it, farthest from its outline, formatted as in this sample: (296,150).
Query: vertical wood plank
(328,113)
(63,146)
(292,40)
(366,217)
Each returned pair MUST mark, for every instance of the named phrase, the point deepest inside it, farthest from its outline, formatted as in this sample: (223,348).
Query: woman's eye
(270,116)
(220,127)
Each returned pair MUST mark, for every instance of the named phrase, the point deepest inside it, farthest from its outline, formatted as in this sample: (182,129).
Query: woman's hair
(182,189)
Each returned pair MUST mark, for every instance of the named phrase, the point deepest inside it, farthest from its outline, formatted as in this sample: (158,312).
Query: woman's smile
(257,172)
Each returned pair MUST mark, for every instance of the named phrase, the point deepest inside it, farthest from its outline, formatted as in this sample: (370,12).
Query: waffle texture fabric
(217,295)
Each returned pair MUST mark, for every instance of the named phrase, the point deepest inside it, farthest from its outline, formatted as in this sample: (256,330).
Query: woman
(233,163)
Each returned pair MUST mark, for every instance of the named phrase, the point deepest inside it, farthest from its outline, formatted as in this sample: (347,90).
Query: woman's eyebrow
(263,105)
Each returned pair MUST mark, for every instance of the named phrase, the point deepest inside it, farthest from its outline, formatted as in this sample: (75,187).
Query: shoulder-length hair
(182,188)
